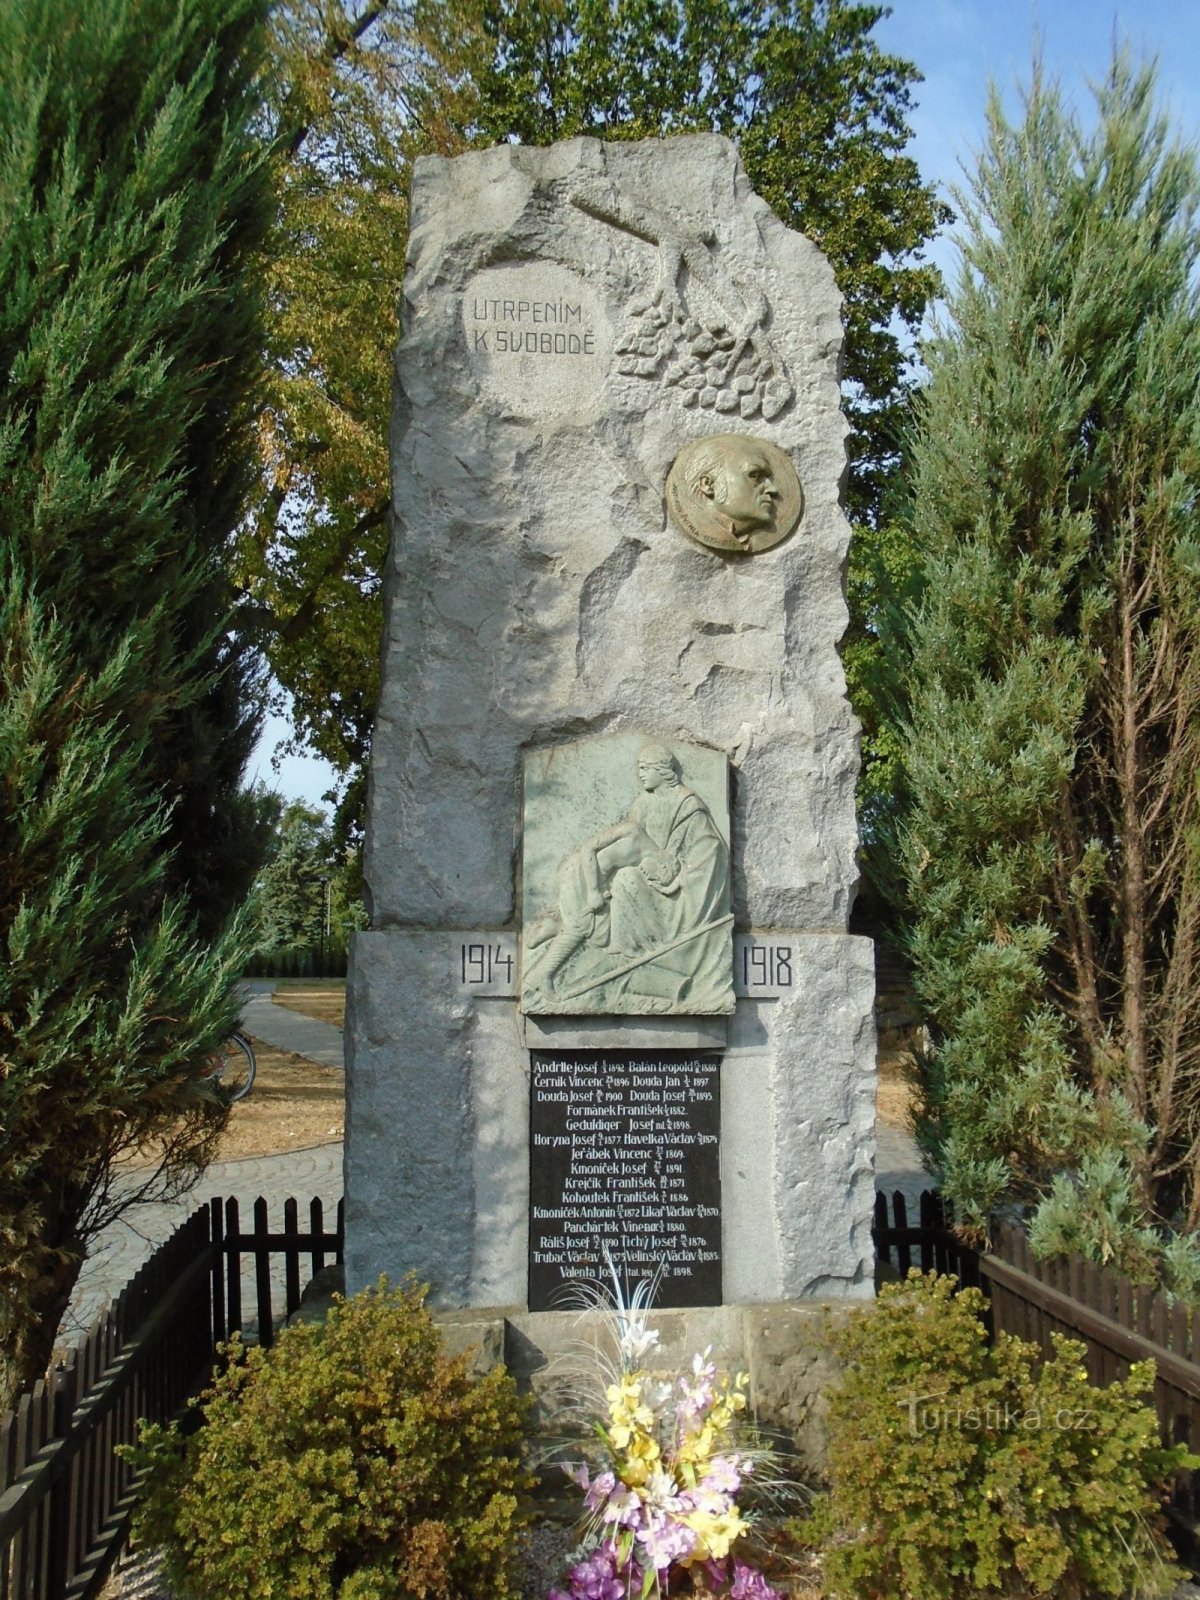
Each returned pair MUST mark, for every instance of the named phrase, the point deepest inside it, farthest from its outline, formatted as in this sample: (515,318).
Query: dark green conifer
(1051,846)
(133,196)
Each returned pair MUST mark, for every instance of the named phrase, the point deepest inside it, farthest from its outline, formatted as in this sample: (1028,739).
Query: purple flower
(596,1578)
(665,1540)
(723,1475)
(598,1491)
(698,1396)
(749,1584)
(623,1507)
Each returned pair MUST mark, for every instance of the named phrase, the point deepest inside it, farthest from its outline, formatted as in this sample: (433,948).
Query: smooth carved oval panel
(538,337)
(734,493)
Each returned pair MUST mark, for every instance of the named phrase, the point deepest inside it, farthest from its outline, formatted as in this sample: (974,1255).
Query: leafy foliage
(133,198)
(1049,846)
(963,1469)
(820,113)
(308,894)
(352,1460)
(311,550)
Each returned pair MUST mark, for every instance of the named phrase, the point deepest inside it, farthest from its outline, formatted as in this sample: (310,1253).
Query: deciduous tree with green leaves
(1051,842)
(311,548)
(133,202)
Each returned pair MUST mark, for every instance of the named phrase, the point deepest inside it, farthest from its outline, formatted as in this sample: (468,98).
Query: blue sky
(962,45)
(959,46)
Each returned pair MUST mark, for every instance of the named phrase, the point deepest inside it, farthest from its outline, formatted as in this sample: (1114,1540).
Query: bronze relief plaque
(734,493)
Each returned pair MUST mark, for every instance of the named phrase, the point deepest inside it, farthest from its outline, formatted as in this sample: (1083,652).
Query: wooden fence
(65,1497)
(1118,1322)
(930,1243)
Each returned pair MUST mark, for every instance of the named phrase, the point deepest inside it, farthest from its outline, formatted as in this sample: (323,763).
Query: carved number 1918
(767,966)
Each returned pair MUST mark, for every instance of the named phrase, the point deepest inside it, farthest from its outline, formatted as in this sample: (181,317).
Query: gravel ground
(544,1550)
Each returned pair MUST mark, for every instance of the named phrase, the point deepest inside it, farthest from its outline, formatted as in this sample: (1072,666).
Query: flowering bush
(661,1496)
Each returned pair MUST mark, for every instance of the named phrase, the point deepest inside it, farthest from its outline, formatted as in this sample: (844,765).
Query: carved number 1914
(486,963)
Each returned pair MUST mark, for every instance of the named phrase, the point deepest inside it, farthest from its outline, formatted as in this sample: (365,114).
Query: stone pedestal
(574,318)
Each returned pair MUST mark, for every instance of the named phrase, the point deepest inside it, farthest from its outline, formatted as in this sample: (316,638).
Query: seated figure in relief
(584,892)
(642,913)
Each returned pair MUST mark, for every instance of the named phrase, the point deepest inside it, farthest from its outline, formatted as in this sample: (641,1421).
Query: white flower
(636,1338)
(661,1491)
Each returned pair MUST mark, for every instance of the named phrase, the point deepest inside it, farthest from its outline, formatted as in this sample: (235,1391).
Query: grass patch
(323,999)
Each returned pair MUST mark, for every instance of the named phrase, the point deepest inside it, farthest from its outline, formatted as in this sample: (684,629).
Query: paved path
(289,1030)
(898,1165)
(304,1174)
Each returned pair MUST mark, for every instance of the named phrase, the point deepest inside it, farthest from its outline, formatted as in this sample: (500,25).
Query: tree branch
(301,620)
(289,139)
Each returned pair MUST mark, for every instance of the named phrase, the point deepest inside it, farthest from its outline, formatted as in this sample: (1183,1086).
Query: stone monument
(609,1002)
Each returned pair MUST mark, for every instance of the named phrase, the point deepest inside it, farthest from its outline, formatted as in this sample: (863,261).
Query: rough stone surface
(479,1338)
(437,1136)
(573,318)
(782,1347)
(797,1131)
(319,1293)
(537,591)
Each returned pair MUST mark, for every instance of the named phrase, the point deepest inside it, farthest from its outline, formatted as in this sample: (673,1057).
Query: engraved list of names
(625,1153)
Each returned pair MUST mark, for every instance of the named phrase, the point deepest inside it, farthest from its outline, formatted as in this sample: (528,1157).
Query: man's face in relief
(748,495)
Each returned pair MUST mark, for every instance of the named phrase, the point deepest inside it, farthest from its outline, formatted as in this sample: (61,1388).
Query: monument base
(781,1347)
(438,1126)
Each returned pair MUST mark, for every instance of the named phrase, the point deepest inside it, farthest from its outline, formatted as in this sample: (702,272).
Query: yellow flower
(641,1459)
(698,1446)
(627,1392)
(626,1411)
(714,1534)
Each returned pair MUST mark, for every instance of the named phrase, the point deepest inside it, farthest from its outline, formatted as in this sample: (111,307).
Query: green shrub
(351,1460)
(962,1469)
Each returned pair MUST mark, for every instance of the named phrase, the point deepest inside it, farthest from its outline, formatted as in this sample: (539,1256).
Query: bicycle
(233,1067)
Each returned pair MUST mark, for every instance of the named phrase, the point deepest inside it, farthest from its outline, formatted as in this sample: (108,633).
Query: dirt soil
(894,1093)
(294,1104)
(325,1000)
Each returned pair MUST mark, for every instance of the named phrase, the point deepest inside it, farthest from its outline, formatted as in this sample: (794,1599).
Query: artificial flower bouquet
(661,1493)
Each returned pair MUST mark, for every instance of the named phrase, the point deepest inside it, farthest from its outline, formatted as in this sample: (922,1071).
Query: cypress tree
(1050,847)
(133,196)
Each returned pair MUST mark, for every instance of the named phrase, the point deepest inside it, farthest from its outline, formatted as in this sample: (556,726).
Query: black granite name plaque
(625,1153)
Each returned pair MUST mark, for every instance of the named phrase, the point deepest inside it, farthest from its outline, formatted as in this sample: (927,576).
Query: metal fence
(65,1496)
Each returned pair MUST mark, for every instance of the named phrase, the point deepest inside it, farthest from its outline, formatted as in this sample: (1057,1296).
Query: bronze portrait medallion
(734,493)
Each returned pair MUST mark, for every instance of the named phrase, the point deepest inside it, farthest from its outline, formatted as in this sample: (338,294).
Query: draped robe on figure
(645,915)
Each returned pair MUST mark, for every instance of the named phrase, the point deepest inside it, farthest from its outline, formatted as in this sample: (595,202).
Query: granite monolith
(616,456)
